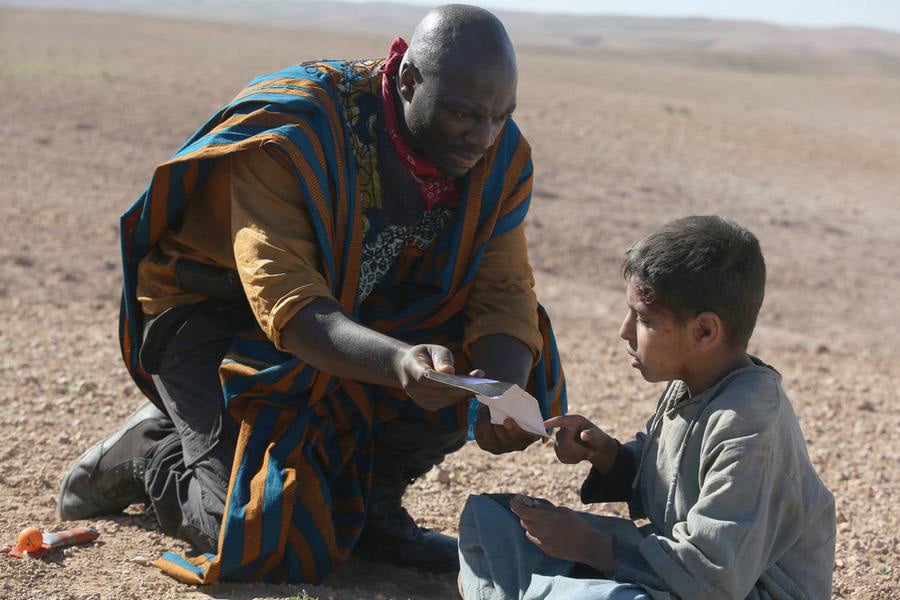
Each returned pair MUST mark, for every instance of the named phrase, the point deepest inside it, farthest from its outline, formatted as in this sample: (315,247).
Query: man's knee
(408,449)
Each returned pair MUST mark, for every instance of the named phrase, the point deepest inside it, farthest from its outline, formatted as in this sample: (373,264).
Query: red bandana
(436,188)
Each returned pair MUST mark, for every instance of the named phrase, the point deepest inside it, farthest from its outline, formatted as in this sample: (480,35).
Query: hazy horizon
(822,14)
(877,14)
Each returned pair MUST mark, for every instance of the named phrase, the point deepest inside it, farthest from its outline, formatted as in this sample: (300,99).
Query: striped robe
(301,475)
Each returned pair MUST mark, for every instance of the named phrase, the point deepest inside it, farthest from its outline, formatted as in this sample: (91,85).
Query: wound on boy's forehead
(644,293)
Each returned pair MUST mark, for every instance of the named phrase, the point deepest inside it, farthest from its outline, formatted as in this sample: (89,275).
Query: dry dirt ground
(811,163)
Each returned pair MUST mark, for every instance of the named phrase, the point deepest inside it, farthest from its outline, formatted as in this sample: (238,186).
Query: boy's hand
(499,439)
(562,533)
(578,439)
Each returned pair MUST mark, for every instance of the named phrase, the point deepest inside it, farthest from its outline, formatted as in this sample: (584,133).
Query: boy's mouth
(635,361)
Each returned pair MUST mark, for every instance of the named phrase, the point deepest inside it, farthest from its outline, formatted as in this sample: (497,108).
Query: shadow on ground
(355,579)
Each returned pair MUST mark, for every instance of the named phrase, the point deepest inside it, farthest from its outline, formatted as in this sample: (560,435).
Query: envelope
(517,404)
(504,400)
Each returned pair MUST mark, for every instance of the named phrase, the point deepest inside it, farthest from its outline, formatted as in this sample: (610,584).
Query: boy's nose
(624,330)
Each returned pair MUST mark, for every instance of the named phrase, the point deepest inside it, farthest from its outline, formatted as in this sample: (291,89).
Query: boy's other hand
(578,439)
(500,439)
(562,533)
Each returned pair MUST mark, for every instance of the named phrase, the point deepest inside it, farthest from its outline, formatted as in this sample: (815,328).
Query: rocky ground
(809,162)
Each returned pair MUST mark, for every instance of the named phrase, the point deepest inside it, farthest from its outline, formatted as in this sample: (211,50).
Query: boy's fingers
(568,422)
(525,513)
(568,444)
(568,457)
(591,435)
(565,436)
(531,513)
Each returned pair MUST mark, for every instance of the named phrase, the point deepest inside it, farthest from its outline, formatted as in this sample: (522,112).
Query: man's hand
(499,439)
(578,439)
(562,533)
(428,394)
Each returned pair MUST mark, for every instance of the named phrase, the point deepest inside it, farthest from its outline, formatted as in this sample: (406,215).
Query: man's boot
(109,476)
(391,535)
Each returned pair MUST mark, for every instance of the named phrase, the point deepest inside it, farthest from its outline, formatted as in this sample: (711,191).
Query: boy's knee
(481,509)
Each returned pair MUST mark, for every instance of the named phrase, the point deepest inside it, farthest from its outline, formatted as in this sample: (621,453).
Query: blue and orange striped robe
(299,485)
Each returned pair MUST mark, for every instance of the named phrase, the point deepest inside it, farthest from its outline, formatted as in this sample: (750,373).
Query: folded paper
(505,400)
(517,404)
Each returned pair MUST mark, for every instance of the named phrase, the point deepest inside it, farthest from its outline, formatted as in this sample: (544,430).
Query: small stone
(85,387)
(866,405)
(141,560)
(440,475)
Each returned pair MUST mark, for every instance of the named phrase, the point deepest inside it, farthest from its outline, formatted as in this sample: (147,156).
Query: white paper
(519,405)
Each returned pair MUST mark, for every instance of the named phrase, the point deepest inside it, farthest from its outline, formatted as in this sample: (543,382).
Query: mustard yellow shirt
(250,216)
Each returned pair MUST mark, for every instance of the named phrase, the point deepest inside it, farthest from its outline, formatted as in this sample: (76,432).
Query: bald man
(292,274)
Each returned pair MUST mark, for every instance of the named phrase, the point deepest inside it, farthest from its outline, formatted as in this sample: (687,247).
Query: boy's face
(657,344)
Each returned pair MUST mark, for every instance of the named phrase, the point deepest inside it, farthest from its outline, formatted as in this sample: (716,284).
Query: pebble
(440,475)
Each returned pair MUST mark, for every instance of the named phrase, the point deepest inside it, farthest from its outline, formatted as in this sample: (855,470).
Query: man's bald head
(456,86)
(459,36)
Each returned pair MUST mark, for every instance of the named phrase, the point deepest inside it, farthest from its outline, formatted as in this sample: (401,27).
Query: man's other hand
(500,439)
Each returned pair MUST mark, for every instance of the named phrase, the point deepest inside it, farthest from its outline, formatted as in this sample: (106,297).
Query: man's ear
(707,330)
(406,79)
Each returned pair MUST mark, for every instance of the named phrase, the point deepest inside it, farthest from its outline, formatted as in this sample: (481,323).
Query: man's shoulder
(514,133)
(512,150)
(328,67)
(340,79)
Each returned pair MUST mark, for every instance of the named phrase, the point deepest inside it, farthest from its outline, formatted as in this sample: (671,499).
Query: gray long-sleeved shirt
(736,509)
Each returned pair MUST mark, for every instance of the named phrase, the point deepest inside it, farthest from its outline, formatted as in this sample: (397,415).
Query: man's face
(658,345)
(453,117)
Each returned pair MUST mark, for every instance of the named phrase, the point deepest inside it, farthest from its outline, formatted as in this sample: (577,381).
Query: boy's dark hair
(702,263)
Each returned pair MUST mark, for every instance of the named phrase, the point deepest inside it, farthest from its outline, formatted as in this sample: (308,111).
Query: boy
(735,508)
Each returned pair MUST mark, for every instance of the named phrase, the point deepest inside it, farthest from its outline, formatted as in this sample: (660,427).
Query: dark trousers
(187,479)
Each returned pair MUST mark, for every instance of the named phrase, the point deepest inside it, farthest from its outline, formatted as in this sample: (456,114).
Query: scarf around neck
(435,187)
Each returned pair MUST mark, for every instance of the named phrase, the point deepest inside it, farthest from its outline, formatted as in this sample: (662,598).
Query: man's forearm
(502,357)
(325,337)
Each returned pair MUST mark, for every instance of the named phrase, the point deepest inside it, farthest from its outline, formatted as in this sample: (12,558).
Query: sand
(807,160)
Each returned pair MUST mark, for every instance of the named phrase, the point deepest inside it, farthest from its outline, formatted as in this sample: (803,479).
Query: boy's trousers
(497,561)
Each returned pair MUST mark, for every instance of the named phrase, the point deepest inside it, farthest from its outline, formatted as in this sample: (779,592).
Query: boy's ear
(707,330)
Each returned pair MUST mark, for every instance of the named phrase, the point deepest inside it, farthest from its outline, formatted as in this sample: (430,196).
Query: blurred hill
(706,43)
